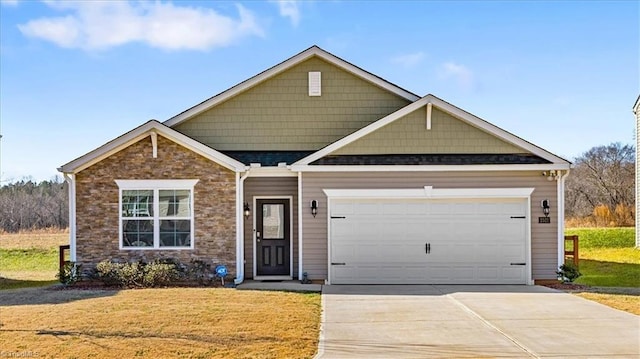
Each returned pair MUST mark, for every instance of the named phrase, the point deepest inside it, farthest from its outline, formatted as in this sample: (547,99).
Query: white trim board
(147,130)
(313,51)
(428,192)
(442,105)
(428,168)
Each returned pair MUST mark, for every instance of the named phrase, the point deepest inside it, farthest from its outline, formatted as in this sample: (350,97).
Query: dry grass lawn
(41,239)
(626,302)
(159,323)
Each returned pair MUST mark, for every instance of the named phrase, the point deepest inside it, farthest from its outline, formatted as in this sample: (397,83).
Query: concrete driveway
(447,321)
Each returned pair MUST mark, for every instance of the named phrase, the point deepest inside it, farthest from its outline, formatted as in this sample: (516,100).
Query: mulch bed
(569,287)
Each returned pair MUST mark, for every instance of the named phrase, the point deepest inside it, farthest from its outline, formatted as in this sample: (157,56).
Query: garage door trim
(428,192)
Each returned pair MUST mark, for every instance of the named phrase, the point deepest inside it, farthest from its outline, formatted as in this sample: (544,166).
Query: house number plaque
(544,220)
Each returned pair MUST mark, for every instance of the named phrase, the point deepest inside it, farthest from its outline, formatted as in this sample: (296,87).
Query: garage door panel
(471,241)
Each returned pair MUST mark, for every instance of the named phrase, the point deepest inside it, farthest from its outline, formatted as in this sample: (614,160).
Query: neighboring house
(636,111)
(318,166)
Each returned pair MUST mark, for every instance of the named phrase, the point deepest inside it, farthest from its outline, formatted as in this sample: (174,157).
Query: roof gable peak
(313,51)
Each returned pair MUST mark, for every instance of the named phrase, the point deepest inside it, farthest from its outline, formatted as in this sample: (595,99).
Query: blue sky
(74,75)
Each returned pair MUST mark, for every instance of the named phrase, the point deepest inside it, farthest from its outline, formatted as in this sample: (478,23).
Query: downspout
(300,268)
(561,191)
(71,182)
(240,226)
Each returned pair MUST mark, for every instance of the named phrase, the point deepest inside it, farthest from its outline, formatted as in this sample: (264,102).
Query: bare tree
(26,205)
(603,176)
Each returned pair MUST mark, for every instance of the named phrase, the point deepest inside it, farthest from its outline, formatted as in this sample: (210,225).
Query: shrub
(69,274)
(200,271)
(158,273)
(131,275)
(568,272)
(138,274)
(108,272)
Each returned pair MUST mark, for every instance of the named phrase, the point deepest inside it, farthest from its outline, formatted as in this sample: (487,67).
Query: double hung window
(156,214)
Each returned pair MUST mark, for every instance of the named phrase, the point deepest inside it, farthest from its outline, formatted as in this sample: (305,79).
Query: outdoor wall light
(314,208)
(551,175)
(247,210)
(545,207)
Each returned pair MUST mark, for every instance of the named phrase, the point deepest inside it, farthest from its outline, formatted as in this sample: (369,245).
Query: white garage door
(427,241)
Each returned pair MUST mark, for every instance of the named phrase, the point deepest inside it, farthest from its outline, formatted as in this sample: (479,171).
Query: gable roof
(141,132)
(443,105)
(313,51)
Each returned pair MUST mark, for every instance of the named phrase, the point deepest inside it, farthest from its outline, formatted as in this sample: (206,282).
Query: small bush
(131,275)
(108,272)
(69,274)
(568,272)
(200,271)
(138,274)
(157,273)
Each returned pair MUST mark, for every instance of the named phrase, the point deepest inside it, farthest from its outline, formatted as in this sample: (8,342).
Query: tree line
(28,205)
(600,191)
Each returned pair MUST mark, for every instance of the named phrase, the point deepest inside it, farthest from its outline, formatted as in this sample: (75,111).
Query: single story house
(318,167)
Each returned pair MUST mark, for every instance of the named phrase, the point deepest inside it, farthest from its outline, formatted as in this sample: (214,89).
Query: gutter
(240,226)
(561,192)
(70,178)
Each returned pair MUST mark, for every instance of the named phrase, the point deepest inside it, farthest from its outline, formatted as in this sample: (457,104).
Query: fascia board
(447,107)
(429,192)
(140,133)
(362,132)
(281,67)
(430,168)
(494,130)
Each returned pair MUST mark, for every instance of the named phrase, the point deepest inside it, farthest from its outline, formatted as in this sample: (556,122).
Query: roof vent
(315,85)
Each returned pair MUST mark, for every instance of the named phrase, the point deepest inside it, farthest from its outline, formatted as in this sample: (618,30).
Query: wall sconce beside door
(545,207)
(314,208)
(247,210)
(551,175)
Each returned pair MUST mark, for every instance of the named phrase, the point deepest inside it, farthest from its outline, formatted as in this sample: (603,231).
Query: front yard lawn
(608,257)
(159,323)
(610,265)
(29,259)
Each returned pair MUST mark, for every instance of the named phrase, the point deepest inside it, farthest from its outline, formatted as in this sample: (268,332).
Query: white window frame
(156,186)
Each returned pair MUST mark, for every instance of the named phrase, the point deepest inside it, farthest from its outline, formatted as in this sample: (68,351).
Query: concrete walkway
(285,285)
(440,321)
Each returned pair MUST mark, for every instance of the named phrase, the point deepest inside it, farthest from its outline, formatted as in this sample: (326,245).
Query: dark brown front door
(273,237)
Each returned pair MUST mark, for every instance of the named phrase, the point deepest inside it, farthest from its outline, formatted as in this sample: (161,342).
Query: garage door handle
(518,264)
(338,264)
(427,248)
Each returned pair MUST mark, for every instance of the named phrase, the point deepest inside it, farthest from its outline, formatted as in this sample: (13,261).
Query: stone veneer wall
(97,236)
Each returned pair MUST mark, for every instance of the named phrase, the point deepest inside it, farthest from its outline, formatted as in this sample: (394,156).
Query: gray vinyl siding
(269,186)
(543,236)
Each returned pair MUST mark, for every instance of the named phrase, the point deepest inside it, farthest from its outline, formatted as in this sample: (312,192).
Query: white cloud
(290,9)
(459,73)
(409,60)
(102,25)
